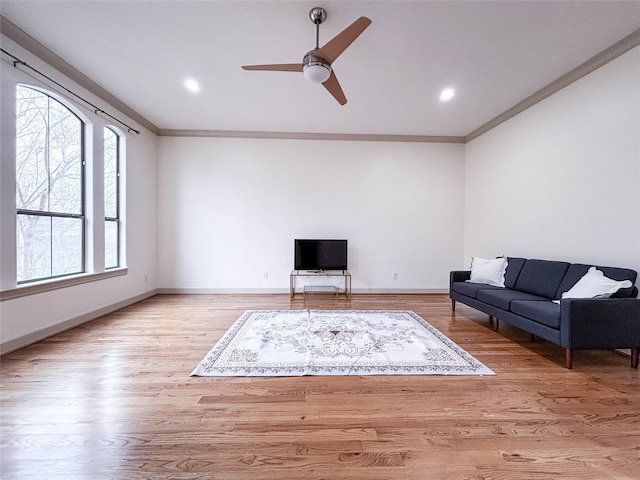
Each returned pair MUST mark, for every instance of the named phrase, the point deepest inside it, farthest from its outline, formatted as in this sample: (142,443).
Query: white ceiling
(494,53)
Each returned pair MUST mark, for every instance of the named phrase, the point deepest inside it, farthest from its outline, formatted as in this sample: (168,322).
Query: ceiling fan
(316,64)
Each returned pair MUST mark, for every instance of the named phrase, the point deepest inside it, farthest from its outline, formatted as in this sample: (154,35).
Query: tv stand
(318,288)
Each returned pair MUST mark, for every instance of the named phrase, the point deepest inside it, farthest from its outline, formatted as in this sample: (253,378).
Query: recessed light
(191,85)
(447,94)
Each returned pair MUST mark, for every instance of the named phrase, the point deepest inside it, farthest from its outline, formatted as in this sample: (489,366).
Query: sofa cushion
(514,267)
(577,270)
(545,312)
(471,289)
(502,298)
(542,277)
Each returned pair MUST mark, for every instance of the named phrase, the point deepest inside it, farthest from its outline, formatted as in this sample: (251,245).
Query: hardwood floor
(113,399)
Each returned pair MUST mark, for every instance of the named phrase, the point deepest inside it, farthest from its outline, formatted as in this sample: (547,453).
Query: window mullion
(51,246)
(48,163)
(39,213)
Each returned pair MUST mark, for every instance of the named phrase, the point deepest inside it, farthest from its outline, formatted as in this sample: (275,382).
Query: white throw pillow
(595,284)
(490,271)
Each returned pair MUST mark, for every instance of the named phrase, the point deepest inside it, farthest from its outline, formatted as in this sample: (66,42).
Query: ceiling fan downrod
(316,69)
(317,16)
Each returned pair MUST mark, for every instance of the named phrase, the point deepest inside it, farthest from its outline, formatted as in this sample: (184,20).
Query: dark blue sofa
(526,302)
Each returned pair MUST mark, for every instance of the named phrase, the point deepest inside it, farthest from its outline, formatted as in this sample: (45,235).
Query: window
(49,188)
(111,199)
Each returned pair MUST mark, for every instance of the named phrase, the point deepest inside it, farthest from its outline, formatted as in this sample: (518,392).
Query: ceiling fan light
(316,72)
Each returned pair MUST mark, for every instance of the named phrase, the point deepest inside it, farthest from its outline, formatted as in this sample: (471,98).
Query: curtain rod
(96,110)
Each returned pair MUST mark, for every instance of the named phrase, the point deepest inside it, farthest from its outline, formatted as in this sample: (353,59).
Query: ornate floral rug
(269,343)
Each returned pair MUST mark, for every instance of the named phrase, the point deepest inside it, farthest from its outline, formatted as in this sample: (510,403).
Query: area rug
(335,342)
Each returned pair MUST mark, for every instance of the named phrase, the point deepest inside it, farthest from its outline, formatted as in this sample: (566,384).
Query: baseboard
(401,291)
(220,291)
(267,291)
(39,335)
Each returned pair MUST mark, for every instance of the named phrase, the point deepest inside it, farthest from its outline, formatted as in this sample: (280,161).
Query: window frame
(115,219)
(49,213)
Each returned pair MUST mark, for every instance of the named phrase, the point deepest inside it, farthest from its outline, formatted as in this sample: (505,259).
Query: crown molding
(614,51)
(362,137)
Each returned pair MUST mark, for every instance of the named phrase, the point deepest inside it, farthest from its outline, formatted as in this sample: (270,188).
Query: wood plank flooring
(113,399)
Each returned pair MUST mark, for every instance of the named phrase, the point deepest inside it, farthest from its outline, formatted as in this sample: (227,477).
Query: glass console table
(320,288)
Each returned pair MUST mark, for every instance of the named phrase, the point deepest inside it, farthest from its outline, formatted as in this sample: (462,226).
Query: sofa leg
(568,358)
(635,356)
(533,338)
(453,305)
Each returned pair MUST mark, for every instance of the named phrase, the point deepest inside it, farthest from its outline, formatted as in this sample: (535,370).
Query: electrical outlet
(395,275)
(265,275)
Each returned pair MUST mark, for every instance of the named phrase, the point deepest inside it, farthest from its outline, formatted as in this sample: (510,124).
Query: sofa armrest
(600,323)
(459,276)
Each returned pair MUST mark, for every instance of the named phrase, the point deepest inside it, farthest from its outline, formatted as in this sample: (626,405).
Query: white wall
(229,210)
(562,179)
(28,316)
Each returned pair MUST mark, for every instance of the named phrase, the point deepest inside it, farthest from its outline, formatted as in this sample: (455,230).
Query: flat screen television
(320,255)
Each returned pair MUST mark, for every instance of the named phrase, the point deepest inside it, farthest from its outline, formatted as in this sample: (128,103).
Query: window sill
(48,285)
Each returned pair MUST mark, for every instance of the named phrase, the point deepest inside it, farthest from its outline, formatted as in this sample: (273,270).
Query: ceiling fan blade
(278,67)
(338,44)
(332,85)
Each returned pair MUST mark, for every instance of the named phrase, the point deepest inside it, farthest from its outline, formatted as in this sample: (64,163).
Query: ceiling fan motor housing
(315,69)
